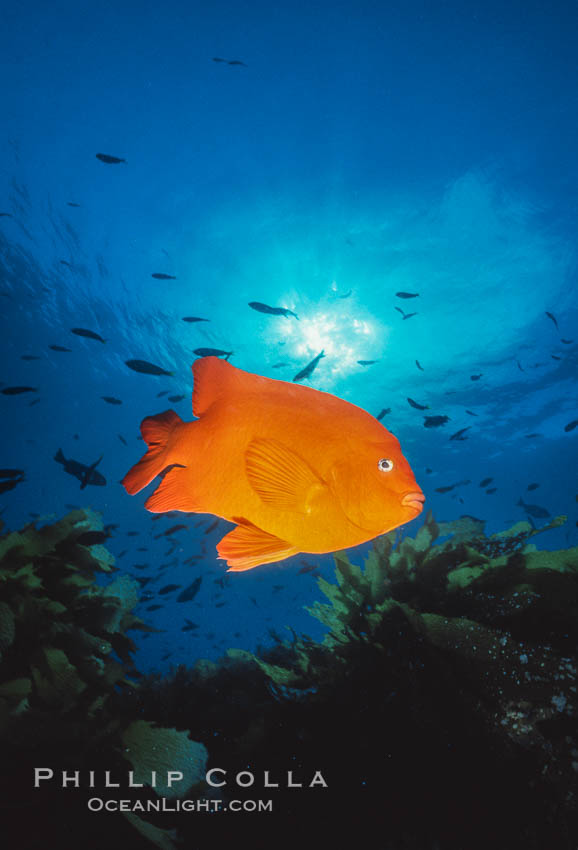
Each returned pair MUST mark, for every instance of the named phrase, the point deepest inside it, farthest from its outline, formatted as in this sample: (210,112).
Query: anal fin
(248,546)
(173,494)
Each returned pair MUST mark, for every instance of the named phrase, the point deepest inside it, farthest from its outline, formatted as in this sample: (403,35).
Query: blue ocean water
(358,150)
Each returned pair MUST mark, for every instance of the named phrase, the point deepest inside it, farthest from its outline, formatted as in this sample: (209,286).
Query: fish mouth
(414,500)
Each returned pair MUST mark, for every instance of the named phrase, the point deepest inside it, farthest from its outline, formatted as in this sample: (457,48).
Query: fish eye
(385,464)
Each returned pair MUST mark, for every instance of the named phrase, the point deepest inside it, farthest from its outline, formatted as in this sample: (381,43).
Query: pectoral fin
(248,546)
(280,477)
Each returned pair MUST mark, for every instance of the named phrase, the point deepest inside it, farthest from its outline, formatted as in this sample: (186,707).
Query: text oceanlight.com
(97,804)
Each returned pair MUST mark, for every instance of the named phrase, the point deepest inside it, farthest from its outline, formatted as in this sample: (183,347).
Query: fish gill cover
(369,201)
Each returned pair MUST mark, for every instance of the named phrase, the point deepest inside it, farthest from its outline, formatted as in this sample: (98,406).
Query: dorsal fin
(215,378)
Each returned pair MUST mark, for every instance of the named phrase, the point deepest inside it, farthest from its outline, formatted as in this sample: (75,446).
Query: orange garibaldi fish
(296,469)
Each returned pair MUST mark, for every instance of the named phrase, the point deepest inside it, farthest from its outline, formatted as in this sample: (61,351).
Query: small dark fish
(174,528)
(279,365)
(212,526)
(435,421)
(567,341)
(306,568)
(168,588)
(419,366)
(194,319)
(111,160)
(86,333)
(122,439)
(416,405)
(383,413)
(6,215)
(533,486)
(554,357)
(11,473)
(470,413)
(212,352)
(18,390)
(80,470)
(476,377)
(491,490)
(569,427)
(132,533)
(66,263)
(32,403)
(92,538)
(429,471)
(459,434)
(162,276)
(29,357)
(111,399)
(59,348)
(272,311)
(551,316)
(5,486)
(407,294)
(485,482)
(191,591)
(531,436)
(229,61)
(537,511)
(405,315)
(367,362)
(309,369)
(144,580)
(449,487)
(154,607)
(347,294)
(146,368)
(519,366)
(175,398)
(162,393)
(71,204)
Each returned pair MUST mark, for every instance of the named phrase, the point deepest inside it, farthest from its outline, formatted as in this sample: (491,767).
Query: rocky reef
(65,663)
(440,708)
(441,705)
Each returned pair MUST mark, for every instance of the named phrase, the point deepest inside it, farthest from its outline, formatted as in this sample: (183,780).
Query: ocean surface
(320,157)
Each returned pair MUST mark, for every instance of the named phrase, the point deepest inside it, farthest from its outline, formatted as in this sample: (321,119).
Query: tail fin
(88,473)
(59,457)
(157,432)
